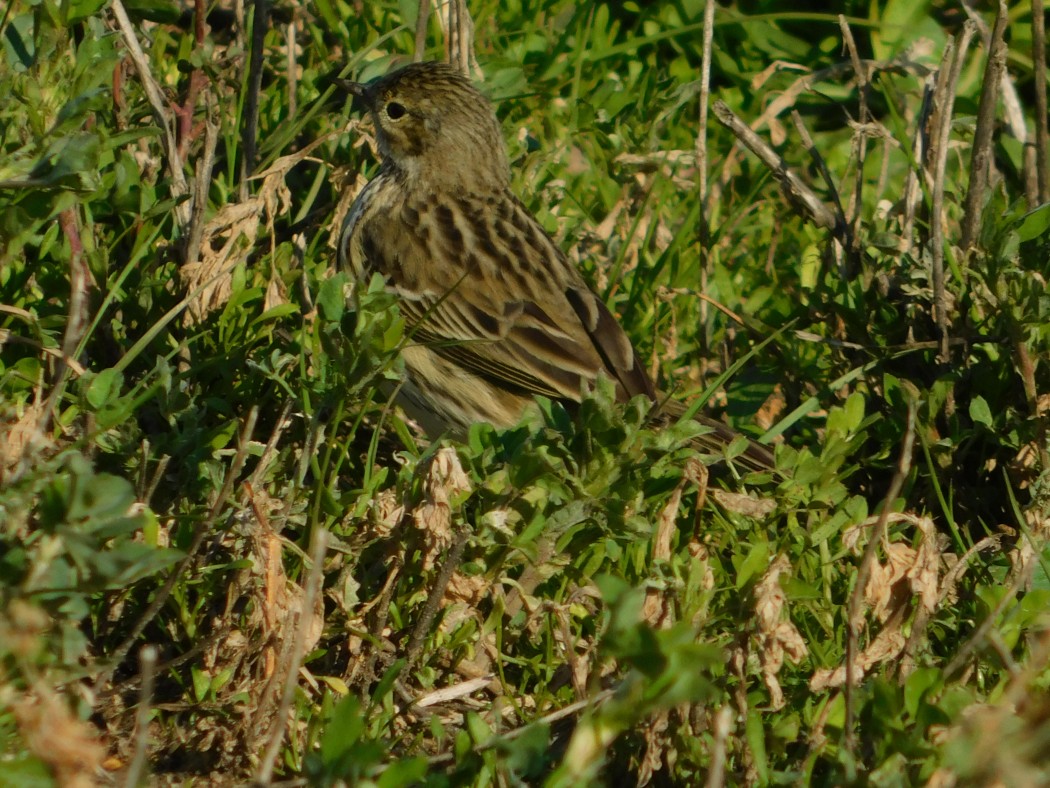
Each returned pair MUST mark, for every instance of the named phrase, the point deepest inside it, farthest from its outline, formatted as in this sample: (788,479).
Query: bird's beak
(343,87)
(357,89)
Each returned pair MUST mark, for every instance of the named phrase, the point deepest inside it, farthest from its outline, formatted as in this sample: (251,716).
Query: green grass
(175,441)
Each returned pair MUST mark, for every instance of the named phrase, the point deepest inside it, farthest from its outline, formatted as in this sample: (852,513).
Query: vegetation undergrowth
(225,557)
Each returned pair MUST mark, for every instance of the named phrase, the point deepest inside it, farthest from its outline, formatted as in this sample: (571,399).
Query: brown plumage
(498,313)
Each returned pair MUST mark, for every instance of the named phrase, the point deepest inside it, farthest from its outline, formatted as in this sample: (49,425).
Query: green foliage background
(174,437)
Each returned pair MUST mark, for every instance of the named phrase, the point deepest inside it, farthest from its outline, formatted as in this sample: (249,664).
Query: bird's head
(432,123)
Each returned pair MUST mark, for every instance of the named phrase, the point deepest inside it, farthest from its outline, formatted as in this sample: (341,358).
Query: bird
(496,313)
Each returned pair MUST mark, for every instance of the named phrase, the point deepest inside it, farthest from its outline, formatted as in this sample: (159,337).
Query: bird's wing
(508,306)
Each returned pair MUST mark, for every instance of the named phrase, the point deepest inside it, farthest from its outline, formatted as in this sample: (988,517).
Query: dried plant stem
(945,102)
(459,36)
(179,187)
(197,80)
(704,219)
(79,286)
(1021,576)
(843,227)
(190,559)
(788,97)
(722,726)
(291,64)
(860,148)
(260,24)
(294,654)
(592,702)
(981,158)
(856,603)
(1042,136)
(430,610)
(382,612)
(802,198)
(920,148)
(201,184)
(705,96)
(147,672)
(422,17)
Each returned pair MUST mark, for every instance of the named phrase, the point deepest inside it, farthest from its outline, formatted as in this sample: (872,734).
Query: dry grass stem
(981,160)
(855,621)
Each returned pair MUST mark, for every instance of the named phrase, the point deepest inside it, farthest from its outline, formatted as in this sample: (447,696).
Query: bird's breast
(374,202)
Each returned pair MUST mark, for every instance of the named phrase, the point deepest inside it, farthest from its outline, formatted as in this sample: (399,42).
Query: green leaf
(980,412)
(756,739)
(104,388)
(331,298)
(404,772)
(1035,224)
(753,564)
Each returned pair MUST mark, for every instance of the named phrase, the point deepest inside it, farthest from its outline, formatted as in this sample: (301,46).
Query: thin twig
(201,186)
(263,463)
(980,634)
(1013,114)
(920,149)
(981,157)
(788,97)
(945,100)
(825,174)
(860,146)
(1026,369)
(154,482)
(802,198)
(856,603)
(1042,136)
(422,17)
(199,647)
(260,24)
(318,548)
(76,322)
(157,102)
(546,719)
(704,219)
(382,608)
(147,672)
(437,593)
(190,559)
(292,64)
(723,724)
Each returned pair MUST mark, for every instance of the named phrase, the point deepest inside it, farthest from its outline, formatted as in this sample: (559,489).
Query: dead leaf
(777,636)
(743,504)
(433,516)
(50,730)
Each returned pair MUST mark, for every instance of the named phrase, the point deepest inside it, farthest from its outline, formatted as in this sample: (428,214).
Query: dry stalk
(159,105)
(260,24)
(147,672)
(422,17)
(860,149)
(297,651)
(190,559)
(701,152)
(981,157)
(801,197)
(945,102)
(1042,117)
(856,603)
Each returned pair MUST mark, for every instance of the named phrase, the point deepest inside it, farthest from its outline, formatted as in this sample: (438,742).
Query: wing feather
(511,308)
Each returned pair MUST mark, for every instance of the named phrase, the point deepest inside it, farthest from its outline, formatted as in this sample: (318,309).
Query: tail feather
(755,457)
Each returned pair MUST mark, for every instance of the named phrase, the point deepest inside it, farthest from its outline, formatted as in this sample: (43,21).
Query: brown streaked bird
(497,312)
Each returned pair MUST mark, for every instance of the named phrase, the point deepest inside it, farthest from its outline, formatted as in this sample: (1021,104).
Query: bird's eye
(395,110)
